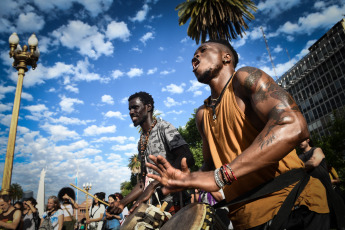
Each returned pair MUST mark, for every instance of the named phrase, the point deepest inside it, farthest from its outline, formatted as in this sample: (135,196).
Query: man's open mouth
(195,63)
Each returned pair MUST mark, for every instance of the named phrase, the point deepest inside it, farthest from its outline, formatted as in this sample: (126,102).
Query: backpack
(46,224)
(37,220)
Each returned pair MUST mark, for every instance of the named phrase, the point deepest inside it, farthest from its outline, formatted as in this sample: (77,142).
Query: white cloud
(146,37)
(166,72)
(30,22)
(272,8)
(6,89)
(314,21)
(124,100)
(117,74)
(172,88)
(169,102)
(119,139)
(67,104)
(94,130)
(87,39)
(135,72)
(195,85)
(319,5)
(152,71)
(133,147)
(59,132)
(4,107)
(137,49)
(118,30)
(108,99)
(175,112)
(141,14)
(69,121)
(197,93)
(72,89)
(179,59)
(116,114)
(277,49)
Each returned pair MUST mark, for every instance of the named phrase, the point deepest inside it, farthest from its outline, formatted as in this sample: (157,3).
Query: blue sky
(95,53)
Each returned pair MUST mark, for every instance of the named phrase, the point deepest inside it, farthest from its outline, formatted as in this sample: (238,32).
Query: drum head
(190,217)
(133,218)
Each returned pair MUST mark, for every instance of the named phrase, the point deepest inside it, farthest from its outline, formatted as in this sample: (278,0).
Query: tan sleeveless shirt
(228,136)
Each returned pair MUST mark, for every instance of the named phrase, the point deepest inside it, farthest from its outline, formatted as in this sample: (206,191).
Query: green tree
(191,135)
(16,192)
(333,145)
(219,19)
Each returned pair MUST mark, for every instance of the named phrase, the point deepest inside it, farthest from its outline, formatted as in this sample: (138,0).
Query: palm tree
(219,19)
(16,192)
(134,164)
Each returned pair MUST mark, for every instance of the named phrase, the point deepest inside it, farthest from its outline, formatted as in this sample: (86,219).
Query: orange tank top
(228,136)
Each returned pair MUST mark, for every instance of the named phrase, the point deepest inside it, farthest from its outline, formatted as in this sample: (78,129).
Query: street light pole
(22,59)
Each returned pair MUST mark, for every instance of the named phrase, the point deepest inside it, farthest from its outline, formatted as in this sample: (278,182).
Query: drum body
(133,218)
(195,216)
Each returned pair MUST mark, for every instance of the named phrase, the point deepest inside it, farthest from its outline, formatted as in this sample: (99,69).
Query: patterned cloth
(54,218)
(164,137)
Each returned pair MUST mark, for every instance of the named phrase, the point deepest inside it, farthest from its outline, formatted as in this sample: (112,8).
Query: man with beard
(249,127)
(158,137)
(9,217)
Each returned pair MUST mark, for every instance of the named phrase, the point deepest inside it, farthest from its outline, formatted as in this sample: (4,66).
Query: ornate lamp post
(87,187)
(22,59)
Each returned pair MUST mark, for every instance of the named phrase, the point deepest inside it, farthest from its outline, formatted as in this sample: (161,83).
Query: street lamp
(22,59)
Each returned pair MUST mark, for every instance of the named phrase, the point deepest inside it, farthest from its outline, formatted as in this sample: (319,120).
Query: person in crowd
(250,127)
(158,137)
(316,165)
(112,221)
(31,218)
(9,217)
(66,196)
(125,211)
(19,205)
(95,220)
(53,213)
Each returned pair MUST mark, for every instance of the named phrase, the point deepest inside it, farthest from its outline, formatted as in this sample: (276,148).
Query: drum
(195,216)
(145,217)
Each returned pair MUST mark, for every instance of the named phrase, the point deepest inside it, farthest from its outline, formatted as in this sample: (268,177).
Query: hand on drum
(175,180)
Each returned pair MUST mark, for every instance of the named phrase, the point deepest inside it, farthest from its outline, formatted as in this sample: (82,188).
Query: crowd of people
(250,128)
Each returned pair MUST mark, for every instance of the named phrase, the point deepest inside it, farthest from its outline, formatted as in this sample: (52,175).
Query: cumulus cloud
(116,74)
(174,89)
(141,14)
(87,39)
(116,114)
(6,89)
(108,99)
(135,72)
(276,7)
(59,132)
(146,37)
(95,130)
(30,22)
(118,30)
(69,121)
(277,49)
(195,85)
(152,71)
(119,139)
(314,21)
(67,104)
(166,72)
(170,102)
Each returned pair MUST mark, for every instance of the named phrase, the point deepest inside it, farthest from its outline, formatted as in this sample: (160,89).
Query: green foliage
(216,18)
(191,135)
(333,145)
(127,186)
(16,192)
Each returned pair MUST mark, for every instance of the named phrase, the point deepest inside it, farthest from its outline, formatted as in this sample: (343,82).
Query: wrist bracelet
(227,174)
(219,182)
(231,171)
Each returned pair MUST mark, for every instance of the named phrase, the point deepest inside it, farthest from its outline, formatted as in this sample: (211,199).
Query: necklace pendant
(214,116)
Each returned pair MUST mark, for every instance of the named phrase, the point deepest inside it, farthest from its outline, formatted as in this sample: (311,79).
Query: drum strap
(276,184)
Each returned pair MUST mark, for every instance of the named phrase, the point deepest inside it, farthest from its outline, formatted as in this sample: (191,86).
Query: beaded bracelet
(219,182)
(227,174)
(231,171)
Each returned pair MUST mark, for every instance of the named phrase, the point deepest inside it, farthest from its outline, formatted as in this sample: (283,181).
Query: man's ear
(226,58)
(149,108)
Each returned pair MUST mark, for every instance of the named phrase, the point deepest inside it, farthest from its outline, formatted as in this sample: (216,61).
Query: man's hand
(116,207)
(173,180)
(145,195)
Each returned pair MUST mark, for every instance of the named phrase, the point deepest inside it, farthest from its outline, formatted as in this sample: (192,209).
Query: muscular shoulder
(249,78)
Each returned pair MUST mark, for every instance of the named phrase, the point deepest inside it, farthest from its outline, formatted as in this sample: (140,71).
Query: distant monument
(41,194)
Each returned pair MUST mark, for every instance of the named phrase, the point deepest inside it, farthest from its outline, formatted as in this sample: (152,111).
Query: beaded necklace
(143,145)
(215,102)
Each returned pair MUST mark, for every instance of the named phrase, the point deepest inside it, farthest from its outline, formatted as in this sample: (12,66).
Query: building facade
(317,81)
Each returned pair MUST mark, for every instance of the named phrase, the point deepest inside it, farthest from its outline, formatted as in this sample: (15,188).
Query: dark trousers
(302,219)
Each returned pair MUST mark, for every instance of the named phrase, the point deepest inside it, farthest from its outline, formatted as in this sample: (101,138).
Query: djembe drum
(196,216)
(146,217)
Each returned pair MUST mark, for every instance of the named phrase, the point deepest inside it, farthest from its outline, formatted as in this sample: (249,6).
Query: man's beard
(207,75)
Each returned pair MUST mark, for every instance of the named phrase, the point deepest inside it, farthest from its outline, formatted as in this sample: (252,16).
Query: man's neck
(307,149)
(218,83)
(147,124)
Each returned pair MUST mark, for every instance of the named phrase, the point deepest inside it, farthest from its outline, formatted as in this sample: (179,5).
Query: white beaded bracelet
(219,182)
